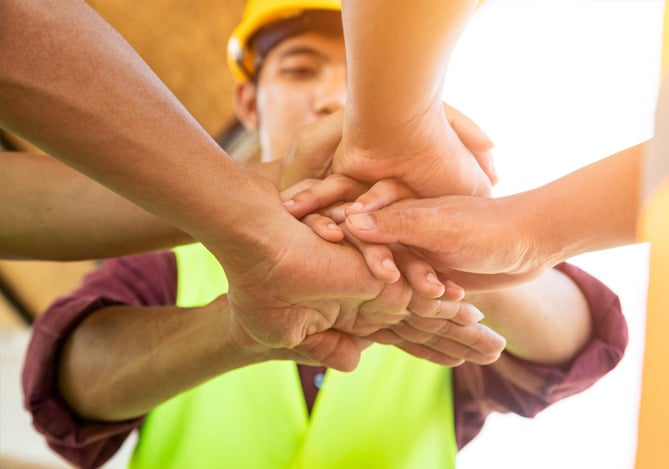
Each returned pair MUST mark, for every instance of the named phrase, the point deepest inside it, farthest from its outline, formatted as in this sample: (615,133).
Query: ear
(245,105)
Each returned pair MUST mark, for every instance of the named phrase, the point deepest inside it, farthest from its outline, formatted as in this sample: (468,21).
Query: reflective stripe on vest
(393,411)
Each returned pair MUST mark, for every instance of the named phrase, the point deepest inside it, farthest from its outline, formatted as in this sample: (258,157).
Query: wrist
(250,227)
(537,230)
(232,344)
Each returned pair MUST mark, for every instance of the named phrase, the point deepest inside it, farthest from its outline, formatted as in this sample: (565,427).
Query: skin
(231,332)
(131,134)
(63,215)
(406,137)
(528,239)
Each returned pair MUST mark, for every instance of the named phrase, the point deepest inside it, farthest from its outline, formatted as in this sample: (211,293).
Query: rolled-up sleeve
(146,279)
(524,388)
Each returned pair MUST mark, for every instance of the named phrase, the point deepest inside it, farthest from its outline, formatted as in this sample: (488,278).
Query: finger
(459,312)
(388,308)
(298,187)
(424,307)
(335,212)
(487,163)
(418,272)
(385,336)
(427,353)
(333,188)
(449,346)
(466,314)
(475,336)
(382,193)
(324,227)
(379,259)
(472,137)
(313,149)
(332,349)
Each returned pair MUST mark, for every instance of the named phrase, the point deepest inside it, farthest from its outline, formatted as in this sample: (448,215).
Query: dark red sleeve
(514,385)
(145,279)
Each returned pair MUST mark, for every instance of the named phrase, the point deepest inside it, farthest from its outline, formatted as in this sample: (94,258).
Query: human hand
(446,154)
(287,284)
(480,243)
(449,334)
(310,297)
(386,262)
(444,341)
(312,151)
(311,154)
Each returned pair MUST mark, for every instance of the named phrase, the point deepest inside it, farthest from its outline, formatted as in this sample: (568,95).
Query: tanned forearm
(54,212)
(123,361)
(72,85)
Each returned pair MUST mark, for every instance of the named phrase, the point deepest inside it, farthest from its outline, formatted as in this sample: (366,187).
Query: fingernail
(356,206)
(433,278)
(388,264)
(453,290)
(332,226)
(289,202)
(361,221)
(478,314)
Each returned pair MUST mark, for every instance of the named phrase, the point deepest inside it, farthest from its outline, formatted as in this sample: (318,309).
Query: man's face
(303,78)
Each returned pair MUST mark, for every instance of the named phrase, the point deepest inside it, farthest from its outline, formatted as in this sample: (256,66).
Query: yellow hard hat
(259,14)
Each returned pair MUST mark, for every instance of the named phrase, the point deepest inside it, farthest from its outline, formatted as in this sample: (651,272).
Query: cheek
(282,114)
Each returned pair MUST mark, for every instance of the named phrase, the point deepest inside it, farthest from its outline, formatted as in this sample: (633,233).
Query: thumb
(475,139)
(313,149)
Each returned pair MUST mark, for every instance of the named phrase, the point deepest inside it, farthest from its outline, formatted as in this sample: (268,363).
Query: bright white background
(557,85)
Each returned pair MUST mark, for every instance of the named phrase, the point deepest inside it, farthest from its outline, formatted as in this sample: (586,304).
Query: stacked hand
(444,154)
(323,299)
(318,301)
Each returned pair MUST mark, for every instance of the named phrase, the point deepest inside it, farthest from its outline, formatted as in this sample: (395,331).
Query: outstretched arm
(138,357)
(397,55)
(54,212)
(72,85)
(488,243)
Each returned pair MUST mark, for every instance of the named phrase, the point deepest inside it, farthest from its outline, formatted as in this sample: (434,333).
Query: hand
(476,141)
(480,243)
(444,341)
(312,151)
(436,160)
(314,147)
(446,331)
(382,260)
(287,284)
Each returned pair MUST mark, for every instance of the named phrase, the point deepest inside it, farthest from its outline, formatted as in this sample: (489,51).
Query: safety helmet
(259,14)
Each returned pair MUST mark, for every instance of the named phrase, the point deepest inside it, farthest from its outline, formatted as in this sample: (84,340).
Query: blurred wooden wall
(184,42)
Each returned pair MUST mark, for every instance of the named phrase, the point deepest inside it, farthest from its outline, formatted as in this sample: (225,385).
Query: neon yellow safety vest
(393,411)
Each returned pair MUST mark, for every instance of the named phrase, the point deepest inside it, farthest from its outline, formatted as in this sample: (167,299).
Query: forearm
(593,208)
(57,213)
(123,361)
(545,321)
(73,86)
(397,55)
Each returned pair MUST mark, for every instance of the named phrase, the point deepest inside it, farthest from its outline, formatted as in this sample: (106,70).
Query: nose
(331,93)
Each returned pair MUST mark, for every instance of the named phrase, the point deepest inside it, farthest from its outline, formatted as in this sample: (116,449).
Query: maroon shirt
(509,385)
